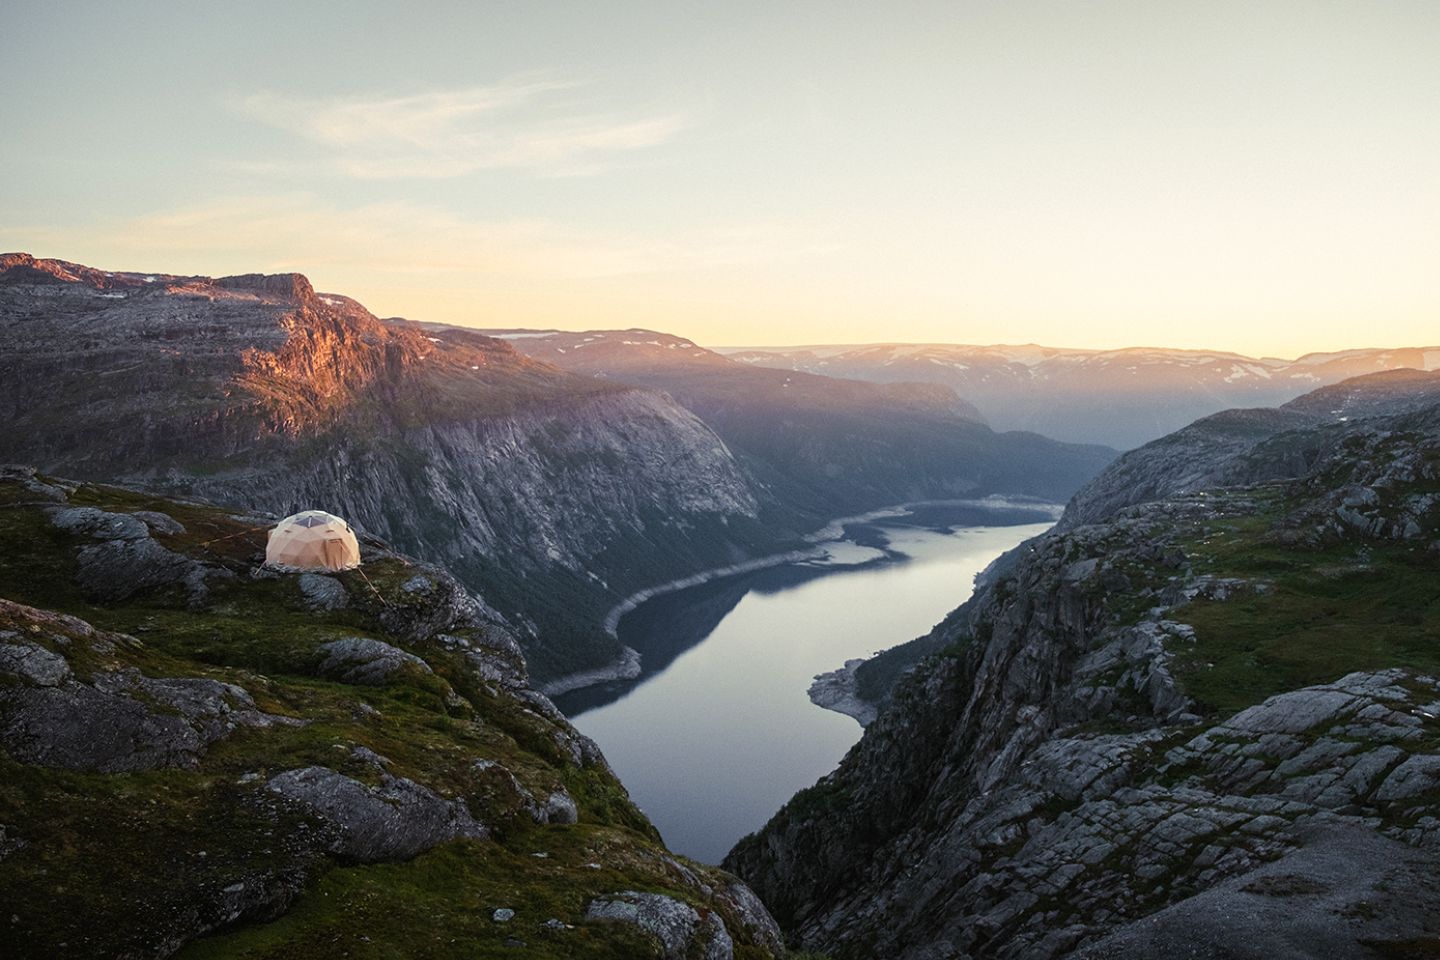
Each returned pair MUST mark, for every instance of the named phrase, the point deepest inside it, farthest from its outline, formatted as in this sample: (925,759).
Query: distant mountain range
(825,445)
(554,493)
(1121,398)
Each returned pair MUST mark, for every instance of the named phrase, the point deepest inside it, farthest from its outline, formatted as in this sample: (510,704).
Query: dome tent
(312,540)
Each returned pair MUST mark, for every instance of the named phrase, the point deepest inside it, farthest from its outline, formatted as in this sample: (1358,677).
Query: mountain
(1121,398)
(258,392)
(823,445)
(1200,719)
(202,757)
(1251,446)
(525,479)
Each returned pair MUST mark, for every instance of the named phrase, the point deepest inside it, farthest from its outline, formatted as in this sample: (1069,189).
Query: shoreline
(836,691)
(627,666)
(624,667)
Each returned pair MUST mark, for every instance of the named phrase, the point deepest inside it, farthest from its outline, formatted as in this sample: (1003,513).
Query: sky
(1258,177)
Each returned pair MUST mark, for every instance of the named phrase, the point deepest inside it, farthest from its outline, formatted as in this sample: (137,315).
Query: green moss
(1327,614)
(440,905)
(109,859)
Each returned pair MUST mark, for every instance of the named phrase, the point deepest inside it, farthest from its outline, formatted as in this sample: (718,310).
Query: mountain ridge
(1157,719)
(1123,398)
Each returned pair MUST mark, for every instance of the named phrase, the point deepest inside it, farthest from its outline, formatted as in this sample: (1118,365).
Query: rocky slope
(1249,446)
(1122,398)
(524,480)
(1204,725)
(202,758)
(828,446)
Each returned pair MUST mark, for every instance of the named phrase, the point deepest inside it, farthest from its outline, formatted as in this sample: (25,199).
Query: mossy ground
(108,857)
(1330,607)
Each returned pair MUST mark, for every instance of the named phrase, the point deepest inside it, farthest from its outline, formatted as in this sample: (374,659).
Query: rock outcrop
(175,765)
(258,392)
(1155,719)
(520,478)
(395,820)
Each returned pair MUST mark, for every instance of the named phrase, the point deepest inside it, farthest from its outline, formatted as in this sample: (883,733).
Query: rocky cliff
(254,390)
(828,446)
(200,757)
(1207,724)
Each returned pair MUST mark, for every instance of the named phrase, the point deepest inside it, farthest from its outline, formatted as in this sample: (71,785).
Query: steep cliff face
(1152,728)
(255,390)
(206,758)
(827,446)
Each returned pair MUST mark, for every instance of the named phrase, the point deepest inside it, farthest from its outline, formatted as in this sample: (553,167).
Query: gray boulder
(361,660)
(32,662)
(126,559)
(121,721)
(397,820)
(559,808)
(754,916)
(323,593)
(100,524)
(678,927)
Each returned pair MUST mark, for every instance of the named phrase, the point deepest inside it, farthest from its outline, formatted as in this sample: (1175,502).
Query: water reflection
(718,731)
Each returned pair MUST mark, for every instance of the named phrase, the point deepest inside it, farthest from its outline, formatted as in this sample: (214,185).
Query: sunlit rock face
(259,392)
(556,493)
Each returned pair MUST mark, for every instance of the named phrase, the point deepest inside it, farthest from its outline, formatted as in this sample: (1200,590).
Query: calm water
(720,732)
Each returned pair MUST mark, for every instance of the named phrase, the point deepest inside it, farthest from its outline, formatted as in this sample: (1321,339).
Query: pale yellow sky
(1263,178)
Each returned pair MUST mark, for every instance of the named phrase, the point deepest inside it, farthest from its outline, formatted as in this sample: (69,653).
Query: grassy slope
(1335,607)
(109,856)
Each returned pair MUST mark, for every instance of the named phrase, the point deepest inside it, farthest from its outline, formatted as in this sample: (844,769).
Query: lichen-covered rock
(559,807)
(1331,897)
(754,917)
(1048,781)
(127,560)
(100,524)
(122,720)
(394,821)
(31,662)
(679,929)
(363,660)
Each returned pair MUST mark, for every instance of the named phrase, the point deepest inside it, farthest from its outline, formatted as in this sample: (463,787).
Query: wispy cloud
(517,124)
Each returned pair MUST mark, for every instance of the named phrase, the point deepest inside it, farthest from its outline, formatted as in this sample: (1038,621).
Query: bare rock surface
(680,930)
(393,821)
(364,660)
(120,720)
(1332,896)
(322,592)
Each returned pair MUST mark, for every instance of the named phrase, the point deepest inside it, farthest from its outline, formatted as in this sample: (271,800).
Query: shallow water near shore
(718,732)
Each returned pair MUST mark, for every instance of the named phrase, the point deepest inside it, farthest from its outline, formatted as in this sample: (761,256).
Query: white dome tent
(312,540)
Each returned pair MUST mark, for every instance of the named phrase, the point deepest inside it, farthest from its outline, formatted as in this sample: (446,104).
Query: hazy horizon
(1263,180)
